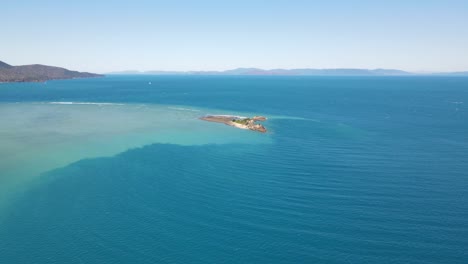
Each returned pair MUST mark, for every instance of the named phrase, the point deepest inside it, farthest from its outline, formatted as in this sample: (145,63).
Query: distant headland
(237,121)
(39,73)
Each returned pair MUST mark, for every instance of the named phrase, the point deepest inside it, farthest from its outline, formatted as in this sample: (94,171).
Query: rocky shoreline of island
(238,121)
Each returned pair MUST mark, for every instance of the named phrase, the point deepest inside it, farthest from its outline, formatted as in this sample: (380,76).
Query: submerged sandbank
(38,137)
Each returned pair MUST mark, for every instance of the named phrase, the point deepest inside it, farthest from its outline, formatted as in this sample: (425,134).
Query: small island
(238,121)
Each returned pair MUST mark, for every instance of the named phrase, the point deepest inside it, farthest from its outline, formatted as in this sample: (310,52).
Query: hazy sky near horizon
(103,36)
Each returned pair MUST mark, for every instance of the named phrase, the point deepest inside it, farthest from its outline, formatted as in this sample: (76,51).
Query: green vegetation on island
(39,73)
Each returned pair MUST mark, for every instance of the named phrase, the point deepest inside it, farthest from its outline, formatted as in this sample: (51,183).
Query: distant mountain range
(464,73)
(38,73)
(293,72)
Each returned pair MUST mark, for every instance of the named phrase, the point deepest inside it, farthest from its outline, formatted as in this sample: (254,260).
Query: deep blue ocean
(352,170)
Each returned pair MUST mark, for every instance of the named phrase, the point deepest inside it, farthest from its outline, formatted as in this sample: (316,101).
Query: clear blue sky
(100,36)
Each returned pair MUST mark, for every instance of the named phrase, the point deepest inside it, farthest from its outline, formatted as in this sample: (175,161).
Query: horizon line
(291,71)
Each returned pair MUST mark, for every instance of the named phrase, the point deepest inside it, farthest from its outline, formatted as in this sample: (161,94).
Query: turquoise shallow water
(40,136)
(353,170)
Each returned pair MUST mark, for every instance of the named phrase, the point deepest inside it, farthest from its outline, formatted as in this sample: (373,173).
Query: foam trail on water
(184,109)
(82,103)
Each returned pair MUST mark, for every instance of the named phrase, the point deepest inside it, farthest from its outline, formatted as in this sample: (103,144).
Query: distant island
(294,72)
(39,73)
(256,71)
(237,121)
